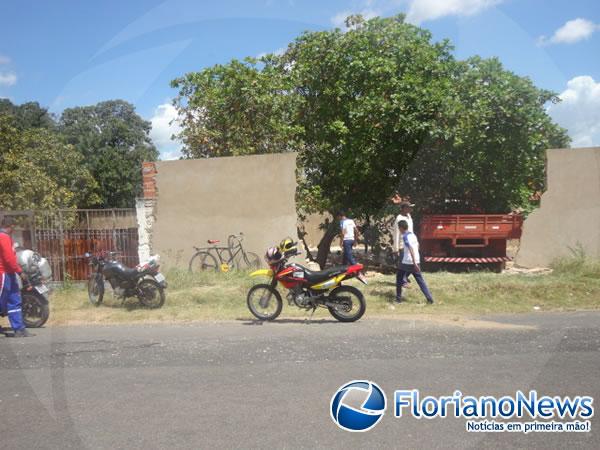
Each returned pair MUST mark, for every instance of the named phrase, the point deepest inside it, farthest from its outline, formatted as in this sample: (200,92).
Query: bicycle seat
(213,241)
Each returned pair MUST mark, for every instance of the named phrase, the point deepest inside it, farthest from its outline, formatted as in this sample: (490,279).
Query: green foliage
(91,158)
(114,141)
(494,156)
(236,109)
(27,115)
(38,170)
(371,98)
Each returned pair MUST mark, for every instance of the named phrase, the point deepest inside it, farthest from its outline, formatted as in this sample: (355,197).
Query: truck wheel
(499,267)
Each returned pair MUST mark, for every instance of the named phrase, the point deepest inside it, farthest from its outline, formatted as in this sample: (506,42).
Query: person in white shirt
(410,263)
(405,210)
(348,237)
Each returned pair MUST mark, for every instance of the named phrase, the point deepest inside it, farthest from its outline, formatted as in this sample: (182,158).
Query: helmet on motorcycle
(273,256)
(287,246)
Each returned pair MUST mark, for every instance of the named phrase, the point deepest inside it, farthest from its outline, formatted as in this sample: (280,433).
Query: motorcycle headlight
(25,258)
(45,269)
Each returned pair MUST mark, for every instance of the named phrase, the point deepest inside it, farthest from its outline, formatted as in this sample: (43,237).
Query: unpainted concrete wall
(569,214)
(212,198)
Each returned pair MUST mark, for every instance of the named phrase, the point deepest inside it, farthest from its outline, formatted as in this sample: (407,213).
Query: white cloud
(8,78)
(422,10)
(579,111)
(164,126)
(278,52)
(170,155)
(4,59)
(417,11)
(572,31)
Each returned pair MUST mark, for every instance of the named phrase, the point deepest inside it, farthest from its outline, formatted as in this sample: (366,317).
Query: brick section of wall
(149,179)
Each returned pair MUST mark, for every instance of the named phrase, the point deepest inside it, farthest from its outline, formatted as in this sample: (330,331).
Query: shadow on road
(282,321)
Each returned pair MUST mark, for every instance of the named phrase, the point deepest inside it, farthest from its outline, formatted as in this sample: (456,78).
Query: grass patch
(573,285)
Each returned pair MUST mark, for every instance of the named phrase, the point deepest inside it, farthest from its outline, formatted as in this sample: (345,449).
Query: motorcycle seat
(130,273)
(213,241)
(314,277)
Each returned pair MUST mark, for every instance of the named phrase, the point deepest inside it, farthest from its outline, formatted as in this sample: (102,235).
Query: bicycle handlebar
(232,237)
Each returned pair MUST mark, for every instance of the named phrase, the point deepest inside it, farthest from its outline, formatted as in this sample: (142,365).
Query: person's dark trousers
(400,258)
(348,256)
(403,271)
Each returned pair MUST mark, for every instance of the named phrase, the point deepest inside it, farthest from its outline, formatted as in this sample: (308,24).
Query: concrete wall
(212,198)
(569,214)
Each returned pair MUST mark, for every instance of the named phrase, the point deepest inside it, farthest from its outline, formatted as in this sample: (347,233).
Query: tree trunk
(325,244)
(301,235)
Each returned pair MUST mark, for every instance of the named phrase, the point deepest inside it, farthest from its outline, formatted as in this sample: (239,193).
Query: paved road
(242,385)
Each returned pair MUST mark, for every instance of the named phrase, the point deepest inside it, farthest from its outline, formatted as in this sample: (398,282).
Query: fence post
(62,245)
(114,230)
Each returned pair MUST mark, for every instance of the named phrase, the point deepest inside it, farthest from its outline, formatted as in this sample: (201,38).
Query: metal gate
(64,236)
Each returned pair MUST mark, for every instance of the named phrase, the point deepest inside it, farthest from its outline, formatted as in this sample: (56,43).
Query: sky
(72,53)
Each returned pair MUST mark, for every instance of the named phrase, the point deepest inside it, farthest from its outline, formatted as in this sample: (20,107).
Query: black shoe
(430,301)
(399,300)
(23,333)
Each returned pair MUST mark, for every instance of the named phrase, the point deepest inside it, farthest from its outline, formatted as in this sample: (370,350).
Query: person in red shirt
(10,296)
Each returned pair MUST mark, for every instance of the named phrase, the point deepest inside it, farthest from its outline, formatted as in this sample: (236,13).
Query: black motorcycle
(144,281)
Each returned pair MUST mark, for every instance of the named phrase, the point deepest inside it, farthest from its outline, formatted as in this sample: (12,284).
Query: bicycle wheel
(251,260)
(203,262)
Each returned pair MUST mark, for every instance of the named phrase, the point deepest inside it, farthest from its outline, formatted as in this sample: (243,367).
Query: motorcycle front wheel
(264,302)
(151,294)
(349,304)
(96,289)
(35,309)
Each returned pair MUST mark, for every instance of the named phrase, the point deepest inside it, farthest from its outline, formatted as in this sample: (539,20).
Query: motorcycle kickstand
(308,320)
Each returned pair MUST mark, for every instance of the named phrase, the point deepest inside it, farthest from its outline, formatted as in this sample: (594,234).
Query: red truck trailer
(468,238)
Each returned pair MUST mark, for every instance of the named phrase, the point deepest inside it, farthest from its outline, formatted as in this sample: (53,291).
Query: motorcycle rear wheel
(260,298)
(96,289)
(352,304)
(35,309)
(151,294)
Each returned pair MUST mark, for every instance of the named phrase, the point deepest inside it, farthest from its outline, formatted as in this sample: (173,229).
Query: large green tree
(114,141)
(39,171)
(377,108)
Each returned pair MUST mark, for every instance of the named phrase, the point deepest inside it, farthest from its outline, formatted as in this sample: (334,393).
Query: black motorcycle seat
(130,273)
(314,277)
